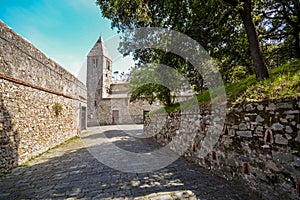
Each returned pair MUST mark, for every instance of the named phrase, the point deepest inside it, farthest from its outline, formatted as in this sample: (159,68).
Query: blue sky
(65,30)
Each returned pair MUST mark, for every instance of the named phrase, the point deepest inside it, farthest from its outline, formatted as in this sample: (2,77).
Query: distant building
(108,101)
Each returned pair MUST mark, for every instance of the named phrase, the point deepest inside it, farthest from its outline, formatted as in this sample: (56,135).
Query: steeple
(99,49)
(99,79)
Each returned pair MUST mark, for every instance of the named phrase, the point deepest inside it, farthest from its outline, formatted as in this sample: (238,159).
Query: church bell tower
(99,79)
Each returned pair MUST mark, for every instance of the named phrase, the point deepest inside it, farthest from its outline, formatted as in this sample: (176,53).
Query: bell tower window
(95,61)
(108,65)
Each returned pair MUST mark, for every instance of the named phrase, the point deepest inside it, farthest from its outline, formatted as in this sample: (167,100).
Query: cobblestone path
(71,172)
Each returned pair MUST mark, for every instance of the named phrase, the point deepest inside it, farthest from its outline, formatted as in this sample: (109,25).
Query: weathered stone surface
(282,120)
(260,107)
(282,157)
(259,119)
(290,112)
(271,165)
(279,139)
(279,144)
(271,106)
(277,127)
(296,161)
(33,87)
(285,105)
(297,139)
(242,126)
(290,117)
(71,172)
(288,129)
(244,133)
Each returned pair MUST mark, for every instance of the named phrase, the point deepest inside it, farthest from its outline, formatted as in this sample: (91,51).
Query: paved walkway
(71,172)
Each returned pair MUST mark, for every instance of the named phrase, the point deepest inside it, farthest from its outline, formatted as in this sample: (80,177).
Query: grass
(284,82)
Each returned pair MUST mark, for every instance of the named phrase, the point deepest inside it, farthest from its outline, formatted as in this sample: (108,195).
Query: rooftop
(99,49)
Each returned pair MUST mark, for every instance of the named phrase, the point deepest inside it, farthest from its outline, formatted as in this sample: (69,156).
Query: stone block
(245,159)
(247,134)
(296,161)
(277,127)
(260,107)
(282,157)
(279,139)
(297,139)
(271,165)
(242,126)
(290,112)
(282,120)
(288,129)
(288,136)
(259,119)
(249,107)
(285,105)
(271,107)
(290,117)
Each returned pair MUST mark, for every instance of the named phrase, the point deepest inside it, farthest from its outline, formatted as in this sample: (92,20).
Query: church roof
(99,49)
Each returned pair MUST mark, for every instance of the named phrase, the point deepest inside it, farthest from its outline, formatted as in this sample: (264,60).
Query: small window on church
(95,62)
(105,75)
(108,65)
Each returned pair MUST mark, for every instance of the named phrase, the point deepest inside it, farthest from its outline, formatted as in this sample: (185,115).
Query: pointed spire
(99,49)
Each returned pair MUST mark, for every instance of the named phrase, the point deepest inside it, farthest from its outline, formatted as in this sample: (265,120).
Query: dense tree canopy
(279,27)
(234,32)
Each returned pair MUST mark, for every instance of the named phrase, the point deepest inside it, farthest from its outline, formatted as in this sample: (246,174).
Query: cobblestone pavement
(71,172)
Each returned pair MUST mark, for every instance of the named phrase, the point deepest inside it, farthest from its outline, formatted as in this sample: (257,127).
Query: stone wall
(33,88)
(259,145)
(128,112)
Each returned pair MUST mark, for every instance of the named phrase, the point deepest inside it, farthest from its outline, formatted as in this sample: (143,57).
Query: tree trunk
(261,70)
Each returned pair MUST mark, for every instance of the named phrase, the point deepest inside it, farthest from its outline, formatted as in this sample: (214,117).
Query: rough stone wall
(129,113)
(107,77)
(103,114)
(31,85)
(259,145)
(99,78)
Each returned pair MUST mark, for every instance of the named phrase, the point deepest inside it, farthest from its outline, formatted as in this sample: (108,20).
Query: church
(108,100)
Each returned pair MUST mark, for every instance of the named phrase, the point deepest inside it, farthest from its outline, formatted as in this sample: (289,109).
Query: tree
(199,20)
(153,83)
(280,22)
(244,8)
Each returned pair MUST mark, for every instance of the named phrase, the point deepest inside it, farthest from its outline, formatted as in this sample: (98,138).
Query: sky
(64,30)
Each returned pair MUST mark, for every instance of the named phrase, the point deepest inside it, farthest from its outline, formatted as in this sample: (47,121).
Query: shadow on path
(71,171)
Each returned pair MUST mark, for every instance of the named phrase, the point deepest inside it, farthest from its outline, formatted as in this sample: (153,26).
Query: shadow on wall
(9,139)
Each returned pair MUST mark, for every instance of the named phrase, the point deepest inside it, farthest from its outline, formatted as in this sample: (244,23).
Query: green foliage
(220,33)
(284,83)
(154,83)
(7,171)
(279,28)
(57,108)
(219,26)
